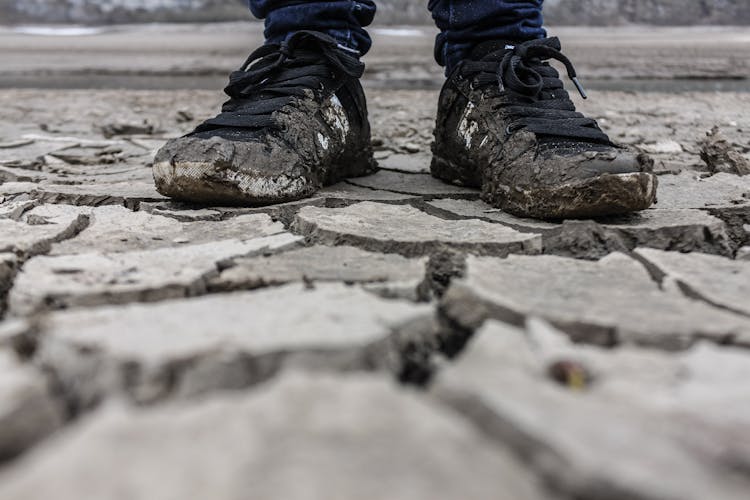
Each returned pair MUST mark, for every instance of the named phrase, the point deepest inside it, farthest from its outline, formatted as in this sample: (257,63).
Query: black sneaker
(296,120)
(506,124)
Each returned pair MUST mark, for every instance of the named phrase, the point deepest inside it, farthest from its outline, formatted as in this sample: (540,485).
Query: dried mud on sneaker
(506,124)
(296,121)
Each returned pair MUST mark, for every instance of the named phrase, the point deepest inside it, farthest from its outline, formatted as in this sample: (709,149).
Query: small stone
(650,424)
(720,156)
(408,231)
(744,253)
(117,229)
(89,279)
(610,301)
(717,280)
(27,411)
(392,274)
(570,374)
(413,184)
(191,346)
(300,437)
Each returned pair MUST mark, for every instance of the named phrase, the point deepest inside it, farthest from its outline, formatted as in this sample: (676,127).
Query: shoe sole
(204,183)
(606,195)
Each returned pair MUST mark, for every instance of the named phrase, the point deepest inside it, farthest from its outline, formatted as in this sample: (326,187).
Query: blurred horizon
(390,12)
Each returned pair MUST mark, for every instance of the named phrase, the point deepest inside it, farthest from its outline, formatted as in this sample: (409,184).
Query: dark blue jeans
(462,23)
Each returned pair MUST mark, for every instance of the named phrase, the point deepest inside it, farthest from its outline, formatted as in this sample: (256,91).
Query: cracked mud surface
(390,337)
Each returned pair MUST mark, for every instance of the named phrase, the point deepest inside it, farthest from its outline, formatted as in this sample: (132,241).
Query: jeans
(462,23)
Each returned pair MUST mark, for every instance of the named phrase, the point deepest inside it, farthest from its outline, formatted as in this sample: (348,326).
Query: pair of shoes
(297,120)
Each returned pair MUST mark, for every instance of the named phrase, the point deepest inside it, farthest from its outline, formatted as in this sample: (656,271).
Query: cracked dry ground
(392,337)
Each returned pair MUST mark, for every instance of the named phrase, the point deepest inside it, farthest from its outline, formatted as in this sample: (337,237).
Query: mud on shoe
(506,124)
(296,120)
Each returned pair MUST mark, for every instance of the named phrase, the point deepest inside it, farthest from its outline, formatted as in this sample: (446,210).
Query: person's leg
(507,125)
(465,23)
(344,20)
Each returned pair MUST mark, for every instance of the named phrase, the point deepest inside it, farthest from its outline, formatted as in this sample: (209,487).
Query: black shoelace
(538,100)
(276,74)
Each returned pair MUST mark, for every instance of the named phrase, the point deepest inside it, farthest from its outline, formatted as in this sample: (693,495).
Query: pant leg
(343,19)
(464,23)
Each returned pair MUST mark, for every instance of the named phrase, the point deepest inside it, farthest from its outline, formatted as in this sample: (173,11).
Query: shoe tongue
(485,48)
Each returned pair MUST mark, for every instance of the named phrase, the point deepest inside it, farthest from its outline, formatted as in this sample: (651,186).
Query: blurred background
(659,45)
(569,12)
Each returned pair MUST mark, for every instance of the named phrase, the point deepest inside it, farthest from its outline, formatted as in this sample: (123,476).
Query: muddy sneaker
(296,120)
(506,124)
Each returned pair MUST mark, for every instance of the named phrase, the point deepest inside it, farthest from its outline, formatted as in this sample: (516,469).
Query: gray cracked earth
(392,337)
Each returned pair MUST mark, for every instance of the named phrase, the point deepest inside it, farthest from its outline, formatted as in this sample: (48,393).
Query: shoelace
(539,102)
(275,74)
